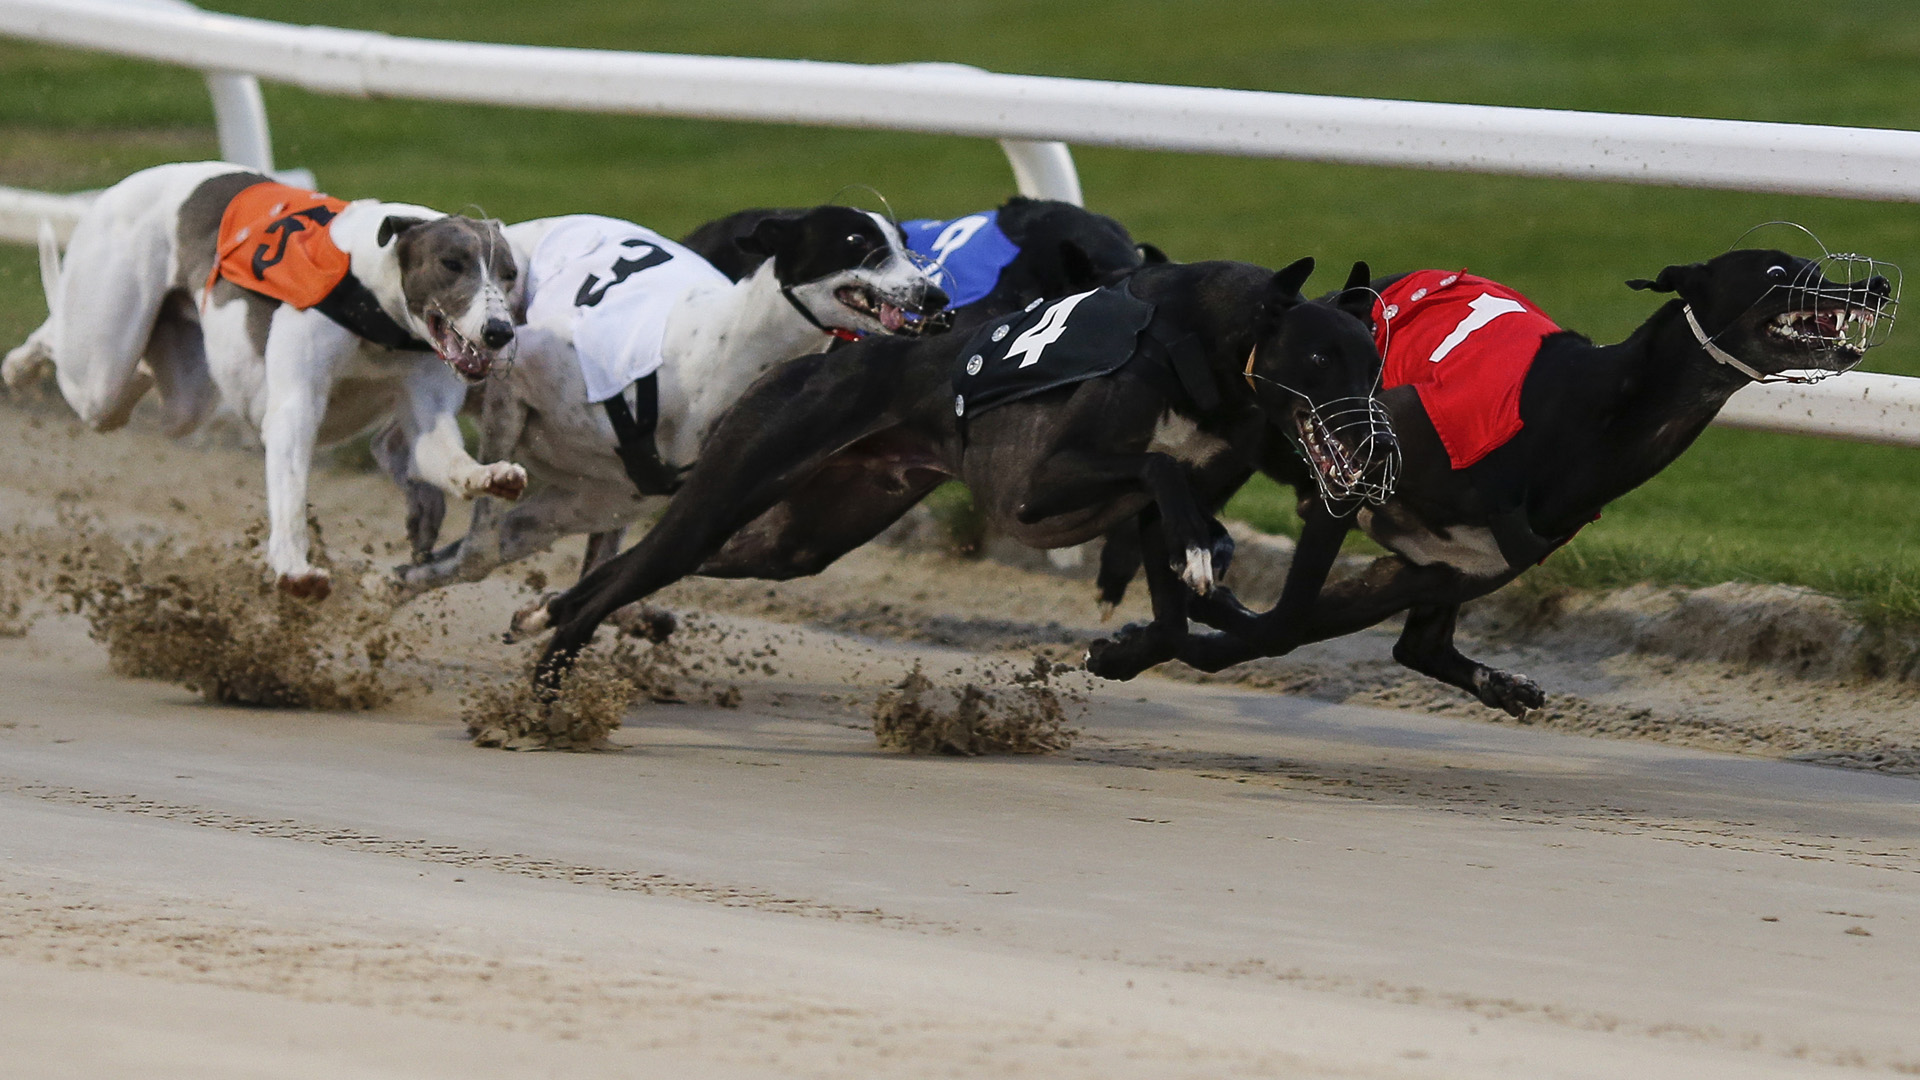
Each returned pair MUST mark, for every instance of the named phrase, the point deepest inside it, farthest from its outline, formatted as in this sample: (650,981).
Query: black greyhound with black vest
(1135,408)
(1025,249)
(1593,423)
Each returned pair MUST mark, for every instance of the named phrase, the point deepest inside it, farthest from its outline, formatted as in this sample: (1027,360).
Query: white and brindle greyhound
(416,308)
(634,346)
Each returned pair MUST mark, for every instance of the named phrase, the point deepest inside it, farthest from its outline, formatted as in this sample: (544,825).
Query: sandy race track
(1212,882)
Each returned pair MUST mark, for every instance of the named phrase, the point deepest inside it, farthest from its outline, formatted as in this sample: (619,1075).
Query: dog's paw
(1123,655)
(309,584)
(645,621)
(23,367)
(1513,694)
(532,620)
(1197,570)
(502,480)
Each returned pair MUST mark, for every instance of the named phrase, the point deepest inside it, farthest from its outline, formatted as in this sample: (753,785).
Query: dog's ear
(1151,255)
(1285,286)
(394,226)
(1357,296)
(1674,279)
(1076,266)
(769,236)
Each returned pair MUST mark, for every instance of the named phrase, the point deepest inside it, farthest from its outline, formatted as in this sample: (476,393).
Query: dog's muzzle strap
(1721,354)
(842,334)
(634,425)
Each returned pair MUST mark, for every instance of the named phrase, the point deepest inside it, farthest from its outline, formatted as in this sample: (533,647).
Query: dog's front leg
(1278,630)
(304,351)
(433,396)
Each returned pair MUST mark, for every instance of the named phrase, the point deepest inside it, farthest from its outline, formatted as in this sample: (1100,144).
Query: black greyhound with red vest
(1591,423)
(825,452)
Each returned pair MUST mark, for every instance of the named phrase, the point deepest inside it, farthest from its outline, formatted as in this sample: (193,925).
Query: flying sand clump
(593,696)
(204,617)
(1028,716)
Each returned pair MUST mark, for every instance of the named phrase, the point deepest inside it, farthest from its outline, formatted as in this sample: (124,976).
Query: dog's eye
(856,240)
(455,265)
(1776,272)
(509,275)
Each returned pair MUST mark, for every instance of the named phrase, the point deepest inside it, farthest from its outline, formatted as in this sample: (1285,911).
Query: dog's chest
(1180,438)
(1470,549)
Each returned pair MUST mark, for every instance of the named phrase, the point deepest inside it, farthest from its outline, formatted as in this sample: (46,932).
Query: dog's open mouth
(1845,329)
(463,356)
(892,318)
(1351,447)
(1328,456)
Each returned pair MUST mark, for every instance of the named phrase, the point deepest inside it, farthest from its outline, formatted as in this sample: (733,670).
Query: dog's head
(849,269)
(461,283)
(1774,312)
(1315,373)
(1064,249)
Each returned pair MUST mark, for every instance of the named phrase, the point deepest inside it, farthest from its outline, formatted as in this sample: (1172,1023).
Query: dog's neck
(1666,391)
(355,230)
(722,338)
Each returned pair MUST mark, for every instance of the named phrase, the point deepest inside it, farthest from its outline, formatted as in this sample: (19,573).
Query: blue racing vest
(966,254)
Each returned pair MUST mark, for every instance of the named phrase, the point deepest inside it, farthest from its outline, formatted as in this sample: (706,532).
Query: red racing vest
(274,241)
(1465,345)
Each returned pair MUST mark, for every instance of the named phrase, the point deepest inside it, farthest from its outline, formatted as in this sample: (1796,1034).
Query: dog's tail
(49,266)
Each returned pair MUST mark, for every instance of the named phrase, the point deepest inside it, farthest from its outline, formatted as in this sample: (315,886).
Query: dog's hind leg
(176,355)
(761,450)
(426,504)
(601,546)
(1426,646)
(33,358)
(111,288)
(639,619)
(1119,564)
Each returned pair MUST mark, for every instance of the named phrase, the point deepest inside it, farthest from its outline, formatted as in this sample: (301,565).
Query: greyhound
(1583,425)
(634,344)
(311,317)
(988,263)
(1134,401)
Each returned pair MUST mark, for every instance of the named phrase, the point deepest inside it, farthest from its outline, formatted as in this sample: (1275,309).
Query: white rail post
(239,112)
(240,117)
(1043,170)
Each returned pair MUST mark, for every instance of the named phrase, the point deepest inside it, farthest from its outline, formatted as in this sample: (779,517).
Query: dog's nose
(497,333)
(1879,286)
(934,299)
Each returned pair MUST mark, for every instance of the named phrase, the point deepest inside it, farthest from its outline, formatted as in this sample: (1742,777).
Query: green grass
(1738,507)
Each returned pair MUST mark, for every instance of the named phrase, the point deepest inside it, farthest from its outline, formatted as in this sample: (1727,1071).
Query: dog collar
(842,334)
(1722,355)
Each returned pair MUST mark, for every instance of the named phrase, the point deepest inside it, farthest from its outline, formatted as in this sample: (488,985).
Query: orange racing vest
(274,241)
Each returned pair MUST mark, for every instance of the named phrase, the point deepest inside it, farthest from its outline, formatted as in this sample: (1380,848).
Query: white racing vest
(608,286)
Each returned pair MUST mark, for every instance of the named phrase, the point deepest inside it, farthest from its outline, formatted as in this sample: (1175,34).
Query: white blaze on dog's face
(460,282)
(850,269)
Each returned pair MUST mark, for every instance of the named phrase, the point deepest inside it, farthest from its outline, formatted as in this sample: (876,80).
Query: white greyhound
(313,318)
(634,345)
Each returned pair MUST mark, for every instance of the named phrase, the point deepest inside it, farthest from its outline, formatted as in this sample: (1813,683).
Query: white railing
(1033,117)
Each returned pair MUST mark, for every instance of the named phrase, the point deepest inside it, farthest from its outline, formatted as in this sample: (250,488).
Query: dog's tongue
(892,317)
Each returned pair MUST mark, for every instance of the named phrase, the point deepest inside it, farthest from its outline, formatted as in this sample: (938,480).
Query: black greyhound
(824,453)
(1596,422)
(1056,248)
